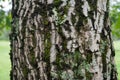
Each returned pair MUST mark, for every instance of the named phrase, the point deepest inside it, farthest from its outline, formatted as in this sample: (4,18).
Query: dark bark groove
(61,40)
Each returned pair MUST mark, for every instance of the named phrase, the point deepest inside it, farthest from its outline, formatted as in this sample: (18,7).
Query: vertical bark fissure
(61,40)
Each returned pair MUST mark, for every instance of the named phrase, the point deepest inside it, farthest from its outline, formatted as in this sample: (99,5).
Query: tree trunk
(61,40)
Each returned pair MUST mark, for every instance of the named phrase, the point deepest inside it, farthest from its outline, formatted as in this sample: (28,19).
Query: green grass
(117,56)
(5,59)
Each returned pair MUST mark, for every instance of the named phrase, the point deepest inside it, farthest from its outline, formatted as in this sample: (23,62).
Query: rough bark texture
(61,40)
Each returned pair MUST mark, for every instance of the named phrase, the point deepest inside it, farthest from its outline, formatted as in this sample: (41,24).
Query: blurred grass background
(117,56)
(5,65)
(5,59)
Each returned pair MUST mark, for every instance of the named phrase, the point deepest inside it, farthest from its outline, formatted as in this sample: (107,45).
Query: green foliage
(115,18)
(2,18)
(5,21)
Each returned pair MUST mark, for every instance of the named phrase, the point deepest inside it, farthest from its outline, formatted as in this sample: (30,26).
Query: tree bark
(61,40)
